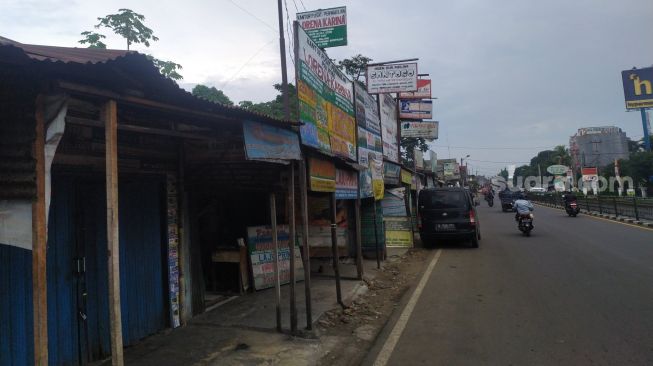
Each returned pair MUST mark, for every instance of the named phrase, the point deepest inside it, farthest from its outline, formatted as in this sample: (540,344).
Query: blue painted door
(78,309)
(16,325)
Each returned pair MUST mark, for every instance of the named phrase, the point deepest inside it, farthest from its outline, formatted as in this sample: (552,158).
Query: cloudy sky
(515,74)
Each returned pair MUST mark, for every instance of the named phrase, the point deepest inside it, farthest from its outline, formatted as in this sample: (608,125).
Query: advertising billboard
(391,78)
(388,114)
(416,109)
(423,91)
(425,129)
(638,87)
(326,100)
(326,27)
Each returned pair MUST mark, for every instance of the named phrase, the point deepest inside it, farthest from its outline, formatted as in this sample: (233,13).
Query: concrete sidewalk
(242,330)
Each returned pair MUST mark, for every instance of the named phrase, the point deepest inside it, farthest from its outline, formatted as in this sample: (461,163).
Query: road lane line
(390,343)
(604,219)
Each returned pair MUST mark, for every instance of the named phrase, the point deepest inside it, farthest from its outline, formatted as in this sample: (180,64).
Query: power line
(303,6)
(253,16)
(245,64)
(296,8)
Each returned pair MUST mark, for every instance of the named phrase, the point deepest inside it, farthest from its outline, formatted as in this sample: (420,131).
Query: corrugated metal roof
(129,62)
(66,54)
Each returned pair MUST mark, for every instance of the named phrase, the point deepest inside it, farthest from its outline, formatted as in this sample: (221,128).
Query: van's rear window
(443,199)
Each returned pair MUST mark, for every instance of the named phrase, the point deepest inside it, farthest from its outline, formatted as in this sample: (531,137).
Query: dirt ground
(347,334)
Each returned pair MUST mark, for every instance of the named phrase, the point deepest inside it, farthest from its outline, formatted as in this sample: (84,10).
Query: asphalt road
(579,291)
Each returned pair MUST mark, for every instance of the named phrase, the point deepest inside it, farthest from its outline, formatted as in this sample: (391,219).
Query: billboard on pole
(638,87)
(416,109)
(326,100)
(326,27)
(388,114)
(425,129)
(392,78)
(423,91)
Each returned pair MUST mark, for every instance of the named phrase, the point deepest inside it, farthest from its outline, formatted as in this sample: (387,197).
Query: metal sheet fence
(638,208)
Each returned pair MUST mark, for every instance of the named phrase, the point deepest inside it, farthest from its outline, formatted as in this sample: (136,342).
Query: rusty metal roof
(141,72)
(66,54)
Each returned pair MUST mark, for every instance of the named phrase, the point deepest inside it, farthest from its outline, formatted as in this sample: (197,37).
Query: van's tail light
(419,221)
(472,218)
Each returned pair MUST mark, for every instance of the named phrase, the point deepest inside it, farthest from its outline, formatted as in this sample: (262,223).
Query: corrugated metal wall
(16,326)
(17,129)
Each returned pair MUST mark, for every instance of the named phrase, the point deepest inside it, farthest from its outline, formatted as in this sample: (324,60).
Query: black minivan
(447,213)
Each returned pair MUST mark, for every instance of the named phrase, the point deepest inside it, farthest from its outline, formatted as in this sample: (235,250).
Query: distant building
(597,146)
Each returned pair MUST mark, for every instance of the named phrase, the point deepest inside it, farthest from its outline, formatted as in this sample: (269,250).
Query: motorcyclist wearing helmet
(522,205)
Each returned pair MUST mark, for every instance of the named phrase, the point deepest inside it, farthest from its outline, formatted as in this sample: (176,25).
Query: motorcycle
(490,200)
(572,208)
(525,223)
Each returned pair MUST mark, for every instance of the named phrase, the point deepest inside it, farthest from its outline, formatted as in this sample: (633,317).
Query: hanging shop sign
(416,109)
(425,129)
(322,175)
(261,253)
(423,91)
(398,232)
(406,176)
(391,173)
(388,116)
(265,142)
(392,78)
(450,169)
(638,87)
(326,27)
(326,100)
(346,184)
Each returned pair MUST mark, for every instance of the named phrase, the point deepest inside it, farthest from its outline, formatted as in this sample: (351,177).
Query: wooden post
(39,243)
(275,242)
(303,187)
(334,249)
(291,247)
(110,116)
(359,238)
(377,247)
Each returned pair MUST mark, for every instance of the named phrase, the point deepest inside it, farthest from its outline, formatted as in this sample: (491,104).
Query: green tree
(211,94)
(93,40)
(355,67)
(503,173)
(408,146)
(274,108)
(168,69)
(128,25)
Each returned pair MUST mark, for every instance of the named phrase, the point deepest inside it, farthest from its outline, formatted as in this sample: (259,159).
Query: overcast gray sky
(508,73)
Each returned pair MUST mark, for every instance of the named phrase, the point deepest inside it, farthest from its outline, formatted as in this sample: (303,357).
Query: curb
(628,220)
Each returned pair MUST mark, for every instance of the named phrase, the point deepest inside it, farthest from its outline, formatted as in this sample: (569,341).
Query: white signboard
(419,159)
(416,109)
(395,78)
(388,114)
(327,27)
(423,91)
(425,129)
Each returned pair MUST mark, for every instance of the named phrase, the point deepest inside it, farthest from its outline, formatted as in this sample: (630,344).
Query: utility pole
(284,72)
(647,136)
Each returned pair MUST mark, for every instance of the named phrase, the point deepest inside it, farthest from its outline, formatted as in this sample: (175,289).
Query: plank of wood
(39,244)
(110,115)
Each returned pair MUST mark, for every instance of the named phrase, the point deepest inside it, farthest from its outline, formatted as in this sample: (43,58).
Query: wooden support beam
(141,129)
(39,243)
(110,116)
(291,246)
(275,243)
(334,248)
(359,239)
(306,258)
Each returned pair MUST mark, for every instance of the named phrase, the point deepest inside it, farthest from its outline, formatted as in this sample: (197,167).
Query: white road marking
(390,343)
